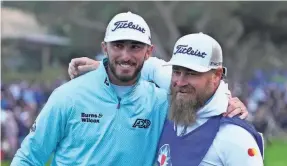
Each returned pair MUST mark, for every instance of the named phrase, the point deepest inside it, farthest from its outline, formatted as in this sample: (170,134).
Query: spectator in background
(24,118)
(261,117)
(9,134)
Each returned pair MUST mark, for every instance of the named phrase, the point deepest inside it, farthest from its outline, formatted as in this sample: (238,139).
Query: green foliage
(275,154)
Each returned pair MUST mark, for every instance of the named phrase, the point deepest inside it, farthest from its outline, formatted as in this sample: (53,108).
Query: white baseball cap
(198,52)
(128,26)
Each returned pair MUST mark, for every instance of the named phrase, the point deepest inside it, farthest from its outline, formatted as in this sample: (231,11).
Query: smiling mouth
(182,93)
(126,65)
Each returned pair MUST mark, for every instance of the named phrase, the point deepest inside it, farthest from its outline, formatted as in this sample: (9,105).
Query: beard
(124,78)
(184,111)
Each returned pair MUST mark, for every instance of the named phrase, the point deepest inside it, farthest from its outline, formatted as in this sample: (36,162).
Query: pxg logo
(142,123)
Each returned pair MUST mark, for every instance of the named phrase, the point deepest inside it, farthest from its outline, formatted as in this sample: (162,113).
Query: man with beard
(197,100)
(106,117)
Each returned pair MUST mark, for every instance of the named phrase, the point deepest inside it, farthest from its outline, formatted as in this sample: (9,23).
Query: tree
(240,27)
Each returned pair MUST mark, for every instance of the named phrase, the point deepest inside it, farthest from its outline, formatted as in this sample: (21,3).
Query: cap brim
(194,67)
(133,38)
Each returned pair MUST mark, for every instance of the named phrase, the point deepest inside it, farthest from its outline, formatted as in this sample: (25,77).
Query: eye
(135,46)
(191,73)
(176,72)
(118,45)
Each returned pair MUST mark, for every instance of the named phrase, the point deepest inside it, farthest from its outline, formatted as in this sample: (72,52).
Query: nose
(180,80)
(125,54)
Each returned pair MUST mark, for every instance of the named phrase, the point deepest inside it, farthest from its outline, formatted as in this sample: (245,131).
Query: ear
(104,47)
(218,74)
(149,51)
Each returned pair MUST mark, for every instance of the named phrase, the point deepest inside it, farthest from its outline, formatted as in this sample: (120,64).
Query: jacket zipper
(119,103)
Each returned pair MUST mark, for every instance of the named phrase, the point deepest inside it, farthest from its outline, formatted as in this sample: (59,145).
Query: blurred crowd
(265,96)
(21,102)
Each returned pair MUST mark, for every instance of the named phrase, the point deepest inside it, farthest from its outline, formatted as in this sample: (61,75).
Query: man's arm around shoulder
(153,70)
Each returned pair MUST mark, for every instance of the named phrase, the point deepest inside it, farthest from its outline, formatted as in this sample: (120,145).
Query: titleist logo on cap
(184,49)
(126,24)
